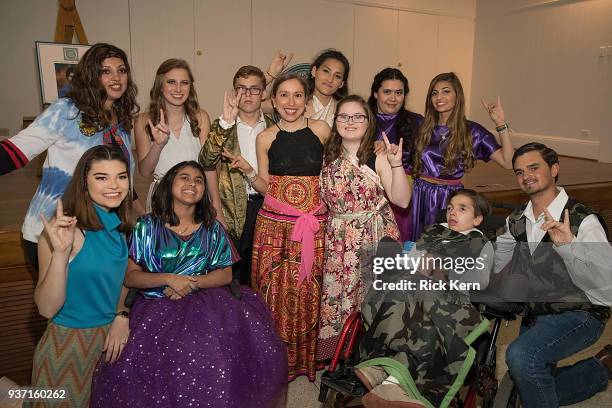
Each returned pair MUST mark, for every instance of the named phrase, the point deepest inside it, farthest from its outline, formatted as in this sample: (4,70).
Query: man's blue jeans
(533,356)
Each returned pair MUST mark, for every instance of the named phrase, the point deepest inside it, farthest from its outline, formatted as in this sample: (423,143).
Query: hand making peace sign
(238,162)
(160,132)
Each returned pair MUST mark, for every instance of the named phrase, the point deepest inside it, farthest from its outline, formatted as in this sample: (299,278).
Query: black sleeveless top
(298,153)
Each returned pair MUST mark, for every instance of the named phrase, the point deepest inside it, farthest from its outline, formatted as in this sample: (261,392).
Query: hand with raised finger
(379,147)
(181,284)
(160,132)
(237,162)
(495,111)
(394,152)
(60,230)
(230,105)
(279,63)
(116,339)
(560,232)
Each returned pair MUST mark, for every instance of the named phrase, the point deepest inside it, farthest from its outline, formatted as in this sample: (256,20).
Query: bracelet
(502,128)
(271,76)
(399,165)
(123,313)
(251,178)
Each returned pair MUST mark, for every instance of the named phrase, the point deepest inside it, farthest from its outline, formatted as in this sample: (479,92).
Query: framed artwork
(56,64)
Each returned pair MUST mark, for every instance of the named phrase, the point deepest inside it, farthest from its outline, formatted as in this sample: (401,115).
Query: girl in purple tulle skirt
(192,342)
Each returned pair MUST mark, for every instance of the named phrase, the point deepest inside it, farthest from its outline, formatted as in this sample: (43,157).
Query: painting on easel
(56,65)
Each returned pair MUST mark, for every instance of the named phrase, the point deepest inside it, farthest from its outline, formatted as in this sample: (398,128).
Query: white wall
(543,58)
(421,37)
(26,21)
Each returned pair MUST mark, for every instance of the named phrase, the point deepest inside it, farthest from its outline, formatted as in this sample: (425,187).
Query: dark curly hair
(89,96)
(333,145)
(191,105)
(406,128)
(162,203)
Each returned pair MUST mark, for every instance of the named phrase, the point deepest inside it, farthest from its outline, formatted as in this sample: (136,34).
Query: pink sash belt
(303,231)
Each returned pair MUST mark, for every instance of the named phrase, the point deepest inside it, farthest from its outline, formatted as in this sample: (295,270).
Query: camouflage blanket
(422,338)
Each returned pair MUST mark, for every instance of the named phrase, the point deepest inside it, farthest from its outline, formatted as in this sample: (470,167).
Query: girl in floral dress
(357,187)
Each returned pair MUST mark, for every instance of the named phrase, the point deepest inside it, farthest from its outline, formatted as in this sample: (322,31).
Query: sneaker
(605,358)
(371,376)
(389,396)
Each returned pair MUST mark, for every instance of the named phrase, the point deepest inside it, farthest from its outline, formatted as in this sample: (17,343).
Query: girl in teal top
(82,261)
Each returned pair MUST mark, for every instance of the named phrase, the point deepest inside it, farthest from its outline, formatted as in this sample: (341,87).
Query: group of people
(258,234)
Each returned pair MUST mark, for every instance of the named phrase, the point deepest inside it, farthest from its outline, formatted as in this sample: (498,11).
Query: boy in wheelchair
(416,348)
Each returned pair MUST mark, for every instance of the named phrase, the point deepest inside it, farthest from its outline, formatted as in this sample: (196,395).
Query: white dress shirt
(588,257)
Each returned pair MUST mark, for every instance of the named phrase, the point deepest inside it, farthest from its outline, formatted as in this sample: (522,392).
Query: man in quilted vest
(559,249)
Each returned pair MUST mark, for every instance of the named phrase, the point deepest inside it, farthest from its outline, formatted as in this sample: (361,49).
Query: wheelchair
(481,383)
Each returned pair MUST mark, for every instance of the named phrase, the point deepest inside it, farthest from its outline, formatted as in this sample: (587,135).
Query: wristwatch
(123,313)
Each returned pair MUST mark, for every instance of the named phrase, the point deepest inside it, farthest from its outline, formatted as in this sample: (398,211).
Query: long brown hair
(191,105)
(76,199)
(89,96)
(459,146)
(333,146)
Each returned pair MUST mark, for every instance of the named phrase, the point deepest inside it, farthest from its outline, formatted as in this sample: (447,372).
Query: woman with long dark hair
(448,146)
(327,78)
(191,340)
(98,110)
(83,257)
(387,100)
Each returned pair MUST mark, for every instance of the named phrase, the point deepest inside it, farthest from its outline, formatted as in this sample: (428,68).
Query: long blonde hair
(459,146)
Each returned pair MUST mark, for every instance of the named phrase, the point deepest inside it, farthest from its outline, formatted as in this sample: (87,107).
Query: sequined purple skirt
(205,350)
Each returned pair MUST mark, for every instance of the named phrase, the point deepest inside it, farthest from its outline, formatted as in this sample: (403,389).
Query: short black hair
(548,154)
(482,207)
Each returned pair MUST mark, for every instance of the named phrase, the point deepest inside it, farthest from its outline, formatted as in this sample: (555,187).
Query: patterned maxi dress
(278,271)
(359,216)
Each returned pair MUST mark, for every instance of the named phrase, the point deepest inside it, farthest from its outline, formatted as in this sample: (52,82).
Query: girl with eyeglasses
(357,186)
(448,146)
(174,128)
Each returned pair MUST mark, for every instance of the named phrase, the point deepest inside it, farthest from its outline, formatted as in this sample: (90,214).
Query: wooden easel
(68,22)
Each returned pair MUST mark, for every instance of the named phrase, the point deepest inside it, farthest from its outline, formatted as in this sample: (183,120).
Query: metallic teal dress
(207,349)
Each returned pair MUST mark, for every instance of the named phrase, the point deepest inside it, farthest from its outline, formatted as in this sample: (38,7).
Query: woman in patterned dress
(288,244)
(355,184)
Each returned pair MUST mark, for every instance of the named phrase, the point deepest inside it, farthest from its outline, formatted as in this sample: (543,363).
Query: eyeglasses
(247,91)
(357,118)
